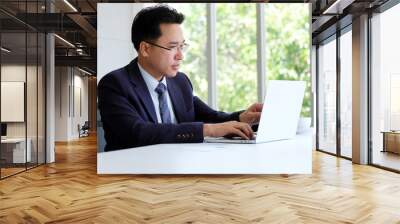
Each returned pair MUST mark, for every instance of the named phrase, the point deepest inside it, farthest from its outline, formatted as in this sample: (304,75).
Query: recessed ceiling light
(5,50)
(70,5)
(64,40)
(84,71)
(337,7)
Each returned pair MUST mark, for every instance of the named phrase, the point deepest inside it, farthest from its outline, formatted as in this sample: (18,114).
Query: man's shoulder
(181,77)
(118,78)
(182,80)
(120,73)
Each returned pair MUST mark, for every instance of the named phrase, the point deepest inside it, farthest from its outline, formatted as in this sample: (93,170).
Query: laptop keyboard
(235,137)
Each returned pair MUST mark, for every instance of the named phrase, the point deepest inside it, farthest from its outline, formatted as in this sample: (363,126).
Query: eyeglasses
(182,47)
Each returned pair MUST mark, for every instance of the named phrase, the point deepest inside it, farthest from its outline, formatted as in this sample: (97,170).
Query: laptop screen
(281,110)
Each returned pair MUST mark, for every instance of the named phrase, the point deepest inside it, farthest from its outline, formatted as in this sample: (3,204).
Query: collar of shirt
(152,84)
(150,81)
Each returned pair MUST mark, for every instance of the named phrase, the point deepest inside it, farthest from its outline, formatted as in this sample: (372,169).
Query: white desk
(292,156)
(18,149)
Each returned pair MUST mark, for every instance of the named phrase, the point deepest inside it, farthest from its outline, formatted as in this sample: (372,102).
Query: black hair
(146,24)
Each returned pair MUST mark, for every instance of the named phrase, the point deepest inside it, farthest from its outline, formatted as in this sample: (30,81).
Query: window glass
(288,45)
(236,56)
(194,64)
(385,87)
(346,94)
(327,96)
(13,85)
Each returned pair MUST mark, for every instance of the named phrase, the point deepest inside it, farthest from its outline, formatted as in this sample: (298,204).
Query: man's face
(163,61)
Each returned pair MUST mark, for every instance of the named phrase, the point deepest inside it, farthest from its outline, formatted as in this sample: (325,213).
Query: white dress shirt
(152,84)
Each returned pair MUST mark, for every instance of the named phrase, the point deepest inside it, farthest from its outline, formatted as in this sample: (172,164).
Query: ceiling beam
(86,27)
(82,61)
(337,6)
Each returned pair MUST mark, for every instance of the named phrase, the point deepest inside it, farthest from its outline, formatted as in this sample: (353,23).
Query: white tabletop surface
(292,156)
(13,140)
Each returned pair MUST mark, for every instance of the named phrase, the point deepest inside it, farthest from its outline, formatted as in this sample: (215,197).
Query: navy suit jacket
(129,118)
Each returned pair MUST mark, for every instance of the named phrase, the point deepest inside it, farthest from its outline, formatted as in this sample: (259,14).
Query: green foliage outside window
(195,31)
(236,30)
(287,46)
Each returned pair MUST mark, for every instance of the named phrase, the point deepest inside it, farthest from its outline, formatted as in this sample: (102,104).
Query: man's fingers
(256,107)
(240,129)
(246,129)
(250,131)
(239,132)
(254,117)
(259,107)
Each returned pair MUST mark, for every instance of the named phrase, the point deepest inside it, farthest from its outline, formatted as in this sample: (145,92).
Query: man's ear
(144,49)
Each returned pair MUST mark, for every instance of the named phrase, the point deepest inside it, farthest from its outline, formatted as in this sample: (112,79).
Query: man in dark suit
(150,102)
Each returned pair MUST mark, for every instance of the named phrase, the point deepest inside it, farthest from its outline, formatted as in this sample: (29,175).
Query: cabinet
(13,151)
(391,141)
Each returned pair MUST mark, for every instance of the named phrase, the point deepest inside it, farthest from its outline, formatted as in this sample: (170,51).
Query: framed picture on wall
(12,101)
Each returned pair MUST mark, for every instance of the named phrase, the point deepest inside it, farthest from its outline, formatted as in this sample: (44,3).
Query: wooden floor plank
(70,191)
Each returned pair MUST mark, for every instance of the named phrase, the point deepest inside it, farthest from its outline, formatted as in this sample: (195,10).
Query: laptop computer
(280,114)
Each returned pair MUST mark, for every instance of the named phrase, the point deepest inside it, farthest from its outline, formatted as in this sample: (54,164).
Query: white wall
(80,84)
(61,103)
(67,114)
(114,46)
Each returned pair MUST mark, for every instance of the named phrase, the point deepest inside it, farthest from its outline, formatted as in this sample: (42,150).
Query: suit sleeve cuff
(235,115)
(190,133)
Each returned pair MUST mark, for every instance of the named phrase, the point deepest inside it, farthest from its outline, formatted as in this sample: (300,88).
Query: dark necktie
(162,100)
